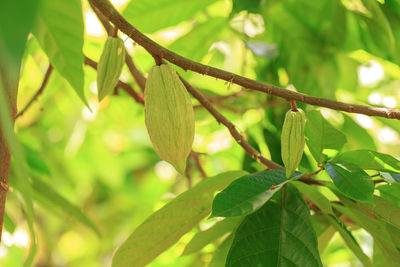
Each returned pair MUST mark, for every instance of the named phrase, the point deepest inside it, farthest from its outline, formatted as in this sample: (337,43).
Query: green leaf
(248,193)
(221,252)
(370,160)
(350,241)
(9,224)
(44,192)
(315,196)
(167,225)
(200,39)
(16,18)
(35,161)
(278,234)
(203,238)
(252,6)
(372,225)
(59,31)
(150,16)
(358,137)
(320,135)
(323,229)
(390,192)
(351,180)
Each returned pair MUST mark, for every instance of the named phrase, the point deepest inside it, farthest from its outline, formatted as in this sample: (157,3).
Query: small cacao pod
(110,66)
(169,116)
(292,140)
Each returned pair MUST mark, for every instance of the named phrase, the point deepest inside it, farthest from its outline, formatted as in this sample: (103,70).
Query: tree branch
(107,9)
(39,91)
(232,129)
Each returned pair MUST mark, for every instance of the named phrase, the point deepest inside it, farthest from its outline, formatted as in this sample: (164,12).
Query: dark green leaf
(320,135)
(16,20)
(351,180)
(167,225)
(248,193)
(278,234)
(252,6)
(150,16)
(370,160)
(203,238)
(59,31)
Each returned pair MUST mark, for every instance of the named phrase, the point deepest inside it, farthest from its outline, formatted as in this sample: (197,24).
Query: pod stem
(115,32)
(294,106)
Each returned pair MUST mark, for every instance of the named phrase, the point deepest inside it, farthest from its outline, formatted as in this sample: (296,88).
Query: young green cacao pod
(169,116)
(292,140)
(110,66)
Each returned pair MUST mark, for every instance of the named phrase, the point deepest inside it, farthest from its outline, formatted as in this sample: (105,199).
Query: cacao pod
(292,140)
(169,116)
(110,66)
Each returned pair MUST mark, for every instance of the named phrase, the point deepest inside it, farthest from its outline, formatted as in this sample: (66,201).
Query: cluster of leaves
(263,218)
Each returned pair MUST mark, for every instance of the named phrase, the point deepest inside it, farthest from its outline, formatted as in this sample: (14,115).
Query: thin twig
(196,158)
(232,129)
(39,91)
(108,10)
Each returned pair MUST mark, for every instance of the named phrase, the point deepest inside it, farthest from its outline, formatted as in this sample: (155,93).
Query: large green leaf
(320,135)
(358,137)
(370,160)
(43,192)
(350,241)
(150,16)
(200,39)
(390,192)
(351,180)
(167,225)
(203,238)
(221,252)
(16,19)
(372,225)
(59,31)
(248,193)
(278,234)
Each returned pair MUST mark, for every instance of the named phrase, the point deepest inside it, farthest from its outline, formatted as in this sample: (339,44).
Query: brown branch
(196,158)
(126,87)
(232,129)
(39,91)
(107,9)
(137,75)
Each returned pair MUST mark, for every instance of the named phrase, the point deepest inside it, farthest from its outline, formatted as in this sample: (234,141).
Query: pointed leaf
(320,135)
(350,241)
(59,31)
(391,192)
(370,160)
(279,234)
(167,225)
(248,193)
(351,180)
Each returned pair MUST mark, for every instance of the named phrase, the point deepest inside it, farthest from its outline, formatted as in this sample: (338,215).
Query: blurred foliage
(93,174)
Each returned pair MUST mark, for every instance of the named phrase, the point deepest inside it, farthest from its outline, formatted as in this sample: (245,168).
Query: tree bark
(5,154)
